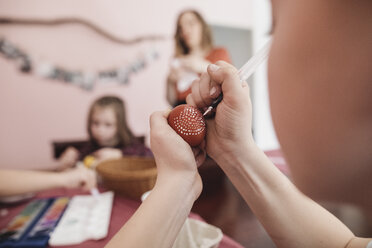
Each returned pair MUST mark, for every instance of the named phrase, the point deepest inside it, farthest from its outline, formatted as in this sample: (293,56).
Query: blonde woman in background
(194,51)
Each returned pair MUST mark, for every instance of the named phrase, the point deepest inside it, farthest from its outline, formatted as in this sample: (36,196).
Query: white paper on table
(86,217)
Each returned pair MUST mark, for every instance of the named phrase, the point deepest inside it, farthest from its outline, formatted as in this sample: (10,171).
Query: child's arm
(160,217)
(15,182)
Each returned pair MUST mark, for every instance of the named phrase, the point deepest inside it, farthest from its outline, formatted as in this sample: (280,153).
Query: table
(122,210)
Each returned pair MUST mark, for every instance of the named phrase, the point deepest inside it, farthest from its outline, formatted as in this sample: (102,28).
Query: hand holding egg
(189,123)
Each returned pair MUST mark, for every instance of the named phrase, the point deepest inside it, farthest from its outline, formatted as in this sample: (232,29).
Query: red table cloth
(122,210)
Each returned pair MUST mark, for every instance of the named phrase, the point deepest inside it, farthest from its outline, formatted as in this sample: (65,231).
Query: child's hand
(79,177)
(68,158)
(108,153)
(175,160)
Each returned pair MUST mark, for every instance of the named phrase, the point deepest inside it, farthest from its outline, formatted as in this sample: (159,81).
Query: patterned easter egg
(189,123)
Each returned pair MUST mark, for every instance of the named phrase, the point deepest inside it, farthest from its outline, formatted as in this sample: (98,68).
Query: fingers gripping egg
(189,123)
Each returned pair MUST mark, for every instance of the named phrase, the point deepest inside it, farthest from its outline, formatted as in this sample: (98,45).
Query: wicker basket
(128,176)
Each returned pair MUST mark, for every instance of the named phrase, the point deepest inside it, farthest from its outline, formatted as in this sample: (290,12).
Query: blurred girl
(109,134)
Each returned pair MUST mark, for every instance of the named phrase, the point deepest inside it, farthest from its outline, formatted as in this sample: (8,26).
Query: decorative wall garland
(74,20)
(85,80)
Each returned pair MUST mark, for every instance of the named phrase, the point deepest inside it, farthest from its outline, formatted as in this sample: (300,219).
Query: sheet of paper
(86,217)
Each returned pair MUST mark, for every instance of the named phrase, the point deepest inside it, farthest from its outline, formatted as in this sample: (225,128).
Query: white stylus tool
(246,71)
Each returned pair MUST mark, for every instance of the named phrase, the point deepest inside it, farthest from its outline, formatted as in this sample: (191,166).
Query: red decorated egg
(189,123)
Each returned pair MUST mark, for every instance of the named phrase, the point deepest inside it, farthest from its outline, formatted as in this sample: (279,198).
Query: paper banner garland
(82,79)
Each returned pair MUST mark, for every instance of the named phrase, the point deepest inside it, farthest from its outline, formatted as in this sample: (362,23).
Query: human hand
(175,159)
(175,73)
(107,153)
(79,177)
(194,63)
(229,133)
(68,158)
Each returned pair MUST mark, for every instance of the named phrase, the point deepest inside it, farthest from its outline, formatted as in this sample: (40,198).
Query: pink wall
(35,111)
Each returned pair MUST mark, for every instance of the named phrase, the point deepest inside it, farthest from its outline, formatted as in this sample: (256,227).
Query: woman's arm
(290,218)
(159,219)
